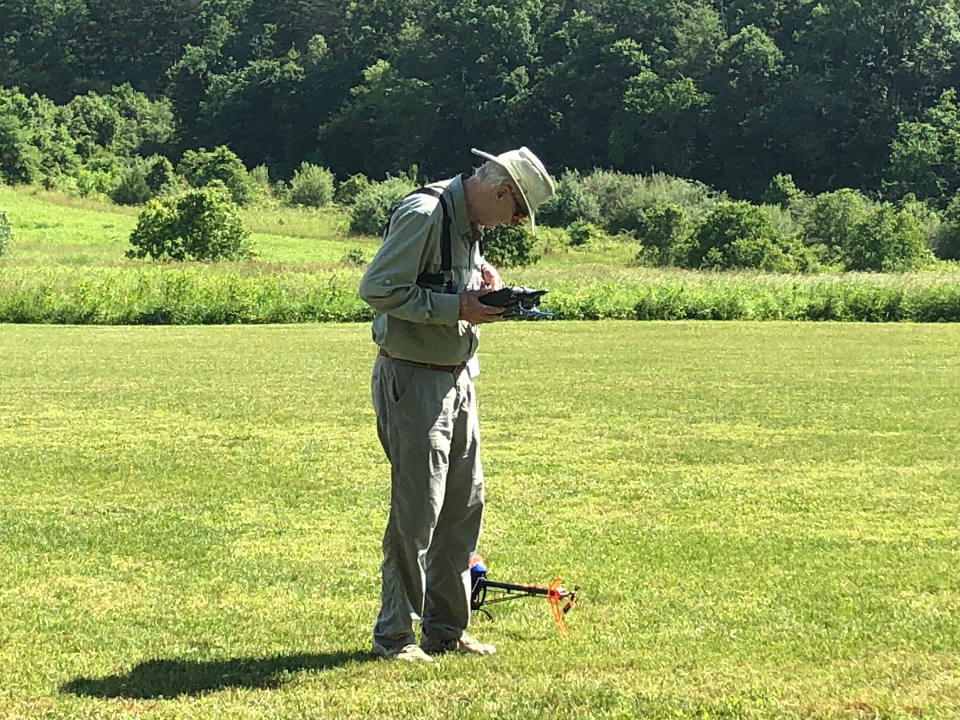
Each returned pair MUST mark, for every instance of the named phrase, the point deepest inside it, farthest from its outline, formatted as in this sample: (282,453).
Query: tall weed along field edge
(67,266)
(197,293)
(763,518)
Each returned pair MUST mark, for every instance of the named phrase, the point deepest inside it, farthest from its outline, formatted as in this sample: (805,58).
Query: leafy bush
(311,185)
(628,215)
(608,189)
(159,174)
(348,191)
(200,224)
(201,167)
(354,258)
(830,221)
(571,203)
(781,191)
(890,240)
(509,246)
(260,175)
(93,122)
(132,187)
(658,190)
(667,228)
(692,195)
(581,232)
(141,179)
(926,215)
(948,237)
(789,232)
(124,122)
(664,227)
(20,159)
(6,234)
(373,204)
(738,235)
(98,175)
(262,190)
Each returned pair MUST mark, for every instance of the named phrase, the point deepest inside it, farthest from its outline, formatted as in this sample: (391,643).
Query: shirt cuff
(448,307)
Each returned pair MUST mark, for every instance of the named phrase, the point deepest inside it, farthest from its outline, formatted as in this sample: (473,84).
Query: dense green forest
(837,93)
(786,135)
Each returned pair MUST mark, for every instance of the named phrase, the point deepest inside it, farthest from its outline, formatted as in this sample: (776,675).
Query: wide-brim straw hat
(528,174)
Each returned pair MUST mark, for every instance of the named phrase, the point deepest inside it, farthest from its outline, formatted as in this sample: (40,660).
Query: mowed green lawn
(764,520)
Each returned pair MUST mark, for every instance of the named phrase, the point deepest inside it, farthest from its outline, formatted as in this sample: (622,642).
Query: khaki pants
(427,424)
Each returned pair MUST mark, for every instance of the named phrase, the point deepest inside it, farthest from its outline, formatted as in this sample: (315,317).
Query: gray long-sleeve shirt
(420,322)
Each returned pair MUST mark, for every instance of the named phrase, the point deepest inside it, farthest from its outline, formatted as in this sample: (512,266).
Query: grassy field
(55,229)
(763,518)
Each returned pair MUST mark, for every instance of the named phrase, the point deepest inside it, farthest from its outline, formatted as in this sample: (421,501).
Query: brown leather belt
(429,366)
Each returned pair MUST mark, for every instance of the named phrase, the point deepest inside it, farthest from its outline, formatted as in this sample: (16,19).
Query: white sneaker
(410,653)
(465,645)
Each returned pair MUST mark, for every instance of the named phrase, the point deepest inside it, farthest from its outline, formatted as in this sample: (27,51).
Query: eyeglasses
(519,211)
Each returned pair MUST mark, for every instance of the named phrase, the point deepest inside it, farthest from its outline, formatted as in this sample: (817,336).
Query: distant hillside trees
(740,133)
(843,93)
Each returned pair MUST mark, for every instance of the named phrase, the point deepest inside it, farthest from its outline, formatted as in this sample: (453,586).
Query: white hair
(492,174)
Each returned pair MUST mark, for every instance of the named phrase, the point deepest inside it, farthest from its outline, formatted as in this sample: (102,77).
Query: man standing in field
(425,283)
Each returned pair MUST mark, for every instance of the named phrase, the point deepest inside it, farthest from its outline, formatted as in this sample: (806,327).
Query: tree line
(837,93)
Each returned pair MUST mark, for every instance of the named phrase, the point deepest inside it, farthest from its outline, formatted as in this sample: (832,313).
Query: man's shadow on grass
(167,679)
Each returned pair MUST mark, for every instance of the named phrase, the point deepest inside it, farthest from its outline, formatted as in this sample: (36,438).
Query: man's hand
(491,278)
(474,311)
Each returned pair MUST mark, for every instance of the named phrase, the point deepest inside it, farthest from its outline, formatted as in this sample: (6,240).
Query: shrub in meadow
(628,215)
(692,195)
(201,167)
(891,239)
(20,160)
(570,203)
(200,224)
(781,191)
(658,190)
(143,178)
(6,234)
(372,206)
(159,174)
(927,215)
(354,258)
(311,185)
(98,175)
(262,189)
(608,189)
(131,187)
(663,227)
(830,220)
(348,191)
(789,232)
(738,235)
(582,232)
(948,236)
(509,246)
